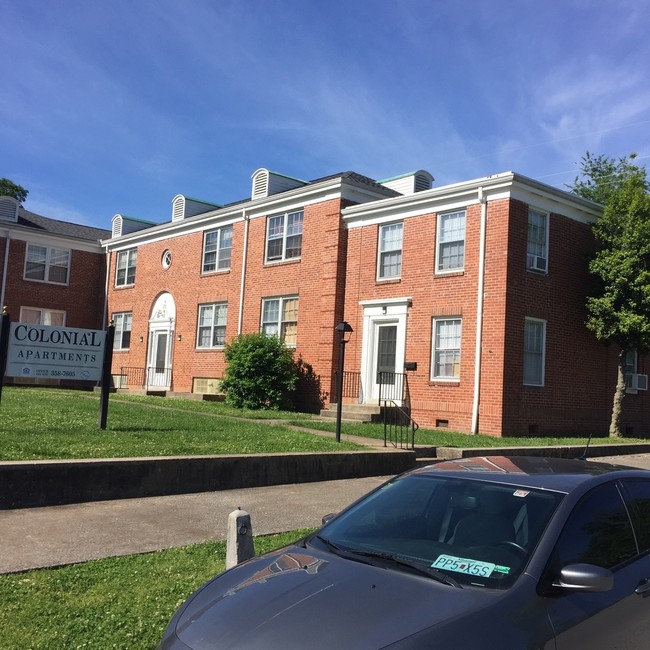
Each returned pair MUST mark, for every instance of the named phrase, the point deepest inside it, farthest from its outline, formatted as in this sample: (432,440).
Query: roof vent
(117,226)
(184,207)
(122,225)
(266,183)
(9,208)
(410,183)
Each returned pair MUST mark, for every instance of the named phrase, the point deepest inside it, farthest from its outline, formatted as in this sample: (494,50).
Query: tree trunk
(619,394)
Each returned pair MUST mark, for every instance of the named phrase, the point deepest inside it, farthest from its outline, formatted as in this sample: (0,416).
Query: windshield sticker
(521,493)
(464,565)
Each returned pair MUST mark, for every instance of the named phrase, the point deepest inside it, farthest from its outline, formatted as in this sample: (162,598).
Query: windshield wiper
(420,568)
(430,572)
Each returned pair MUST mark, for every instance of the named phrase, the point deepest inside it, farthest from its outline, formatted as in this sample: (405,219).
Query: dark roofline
(39,223)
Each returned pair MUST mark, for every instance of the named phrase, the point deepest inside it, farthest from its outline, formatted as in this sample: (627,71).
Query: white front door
(159,367)
(161,342)
(382,355)
(385,361)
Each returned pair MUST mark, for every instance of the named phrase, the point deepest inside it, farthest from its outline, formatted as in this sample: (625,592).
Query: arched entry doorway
(161,343)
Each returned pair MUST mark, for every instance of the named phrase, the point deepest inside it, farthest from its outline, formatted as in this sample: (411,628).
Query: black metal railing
(159,377)
(351,383)
(399,425)
(150,377)
(130,377)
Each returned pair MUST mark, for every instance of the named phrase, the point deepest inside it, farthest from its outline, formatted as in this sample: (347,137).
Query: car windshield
(473,532)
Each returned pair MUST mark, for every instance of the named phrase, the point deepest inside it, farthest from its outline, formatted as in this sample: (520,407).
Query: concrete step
(353,412)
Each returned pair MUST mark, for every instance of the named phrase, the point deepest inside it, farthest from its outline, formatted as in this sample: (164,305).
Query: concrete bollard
(239,538)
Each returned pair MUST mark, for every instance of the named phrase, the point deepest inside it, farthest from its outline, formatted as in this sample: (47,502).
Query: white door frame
(161,329)
(377,313)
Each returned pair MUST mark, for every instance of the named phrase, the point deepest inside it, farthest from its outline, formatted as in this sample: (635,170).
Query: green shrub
(261,373)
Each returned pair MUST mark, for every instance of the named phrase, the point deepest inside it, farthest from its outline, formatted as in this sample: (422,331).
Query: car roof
(561,474)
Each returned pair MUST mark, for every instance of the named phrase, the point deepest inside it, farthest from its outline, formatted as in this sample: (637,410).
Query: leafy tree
(601,177)
(618,308)
(261,373)
(8,188)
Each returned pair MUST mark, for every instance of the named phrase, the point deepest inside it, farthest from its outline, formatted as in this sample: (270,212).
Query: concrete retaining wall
(47,483)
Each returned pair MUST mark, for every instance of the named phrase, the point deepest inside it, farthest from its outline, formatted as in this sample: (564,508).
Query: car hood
(299,596)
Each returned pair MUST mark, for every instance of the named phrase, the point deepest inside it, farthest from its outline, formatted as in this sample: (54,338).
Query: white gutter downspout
(242,289)
(105,320)
(479,312)
(4,271)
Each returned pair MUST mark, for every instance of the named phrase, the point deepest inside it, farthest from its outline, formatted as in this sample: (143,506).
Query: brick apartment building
(466,301)
(51,272)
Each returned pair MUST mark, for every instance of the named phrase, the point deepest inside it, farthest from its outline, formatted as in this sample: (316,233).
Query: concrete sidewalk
(33,538)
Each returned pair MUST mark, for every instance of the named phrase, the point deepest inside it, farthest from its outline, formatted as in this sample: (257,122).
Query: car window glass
(639,490)
(482,533)
(598,531)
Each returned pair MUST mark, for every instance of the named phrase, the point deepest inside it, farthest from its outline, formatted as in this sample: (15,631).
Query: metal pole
(339,387)
(5,321)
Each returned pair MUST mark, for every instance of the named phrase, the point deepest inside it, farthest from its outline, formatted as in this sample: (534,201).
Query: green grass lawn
(122,602)
(56,424)
(37,423)
(442,438)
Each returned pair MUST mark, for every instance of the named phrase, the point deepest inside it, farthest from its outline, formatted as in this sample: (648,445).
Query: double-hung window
(217,249)
(47,264)
(212,325)
(280,318)
(122,322)
(390,251)
(37,316)
(450,252)
(537,250)
(125,270)
(534,351)
(445,364)
(284,236)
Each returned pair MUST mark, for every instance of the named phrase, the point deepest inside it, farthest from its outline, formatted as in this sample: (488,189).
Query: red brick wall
(315,278)
(82,298)
(580,372)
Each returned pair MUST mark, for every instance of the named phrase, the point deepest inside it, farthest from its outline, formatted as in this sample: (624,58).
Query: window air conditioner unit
(637,382)
(537,263)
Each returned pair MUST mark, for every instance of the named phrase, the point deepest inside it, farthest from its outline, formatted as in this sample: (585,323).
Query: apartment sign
(44,352)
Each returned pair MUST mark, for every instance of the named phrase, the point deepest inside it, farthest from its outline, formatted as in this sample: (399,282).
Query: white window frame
(221,249)
(443,241)
(131,256)
(215,324)
(536,246)
(48,263)
(274,323)
(388,246)
(44,316)
(539,352)
(448,346)
(286,228)
(123,323)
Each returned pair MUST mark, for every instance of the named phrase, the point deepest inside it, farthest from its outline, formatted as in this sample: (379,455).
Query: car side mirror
(584,577)
(327,518)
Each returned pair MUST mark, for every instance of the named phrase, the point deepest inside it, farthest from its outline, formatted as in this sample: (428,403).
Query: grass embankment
(40,423)
(60,424)
(122,602)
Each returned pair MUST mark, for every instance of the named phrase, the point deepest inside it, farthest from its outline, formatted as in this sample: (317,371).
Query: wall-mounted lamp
(141,339)
(180,337)
(384,309)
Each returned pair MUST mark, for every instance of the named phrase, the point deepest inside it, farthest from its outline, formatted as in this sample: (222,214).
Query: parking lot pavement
(41,537)
(633,460)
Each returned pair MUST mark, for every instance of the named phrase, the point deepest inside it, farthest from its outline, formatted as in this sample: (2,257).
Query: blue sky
(117,106)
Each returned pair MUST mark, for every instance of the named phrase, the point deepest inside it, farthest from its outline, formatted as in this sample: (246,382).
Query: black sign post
(106,375)
(5,321)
